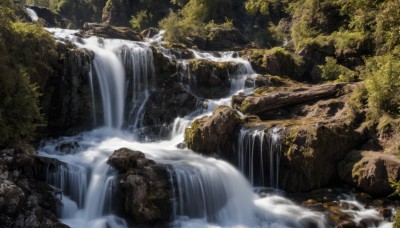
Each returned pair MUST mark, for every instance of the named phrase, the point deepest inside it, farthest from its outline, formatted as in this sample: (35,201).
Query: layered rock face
(25,201)
(67,98)
(145,187)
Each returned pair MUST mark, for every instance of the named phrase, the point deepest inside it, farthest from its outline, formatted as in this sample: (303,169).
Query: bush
(25,51)
(382,79)
(332,71)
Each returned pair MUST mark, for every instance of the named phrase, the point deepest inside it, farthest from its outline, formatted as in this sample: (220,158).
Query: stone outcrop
(370,171)
(312,150)
(145,187)
(221,39)
(67,100)
(52,19)
(276,61)
(168,99)
(213,134)
(106,31)
(25,201)
(209,79)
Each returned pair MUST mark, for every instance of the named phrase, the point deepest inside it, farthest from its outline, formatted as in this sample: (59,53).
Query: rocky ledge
(318,127)
(145,188)
(106,31)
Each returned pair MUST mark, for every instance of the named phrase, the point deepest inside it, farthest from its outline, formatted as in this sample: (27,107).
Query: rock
(209,79)
(106,31)
(370,171)
(169,98)
(213,134)
(311,153)
(52,19)
(314,54)
(25,201)
(145,187)
(347,224)
(150,32)
(220,39)
(276,61)
(256,104)
(117,12)
(67,99)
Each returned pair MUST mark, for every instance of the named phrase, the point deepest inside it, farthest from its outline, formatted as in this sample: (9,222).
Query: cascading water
(32,14)
(259,154)
(208,192)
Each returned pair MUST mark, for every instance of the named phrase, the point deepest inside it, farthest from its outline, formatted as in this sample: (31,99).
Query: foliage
(387,32)
(141,20)
(332,71)
(382,79)
(24,53)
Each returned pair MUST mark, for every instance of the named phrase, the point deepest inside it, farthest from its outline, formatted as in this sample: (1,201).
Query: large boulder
(169,98)
(209,79)
(220,39)
(67,99)
(276,61)
(25,201)
(145,188)
(52,19)
(312,150)
(213,134)
(370,171)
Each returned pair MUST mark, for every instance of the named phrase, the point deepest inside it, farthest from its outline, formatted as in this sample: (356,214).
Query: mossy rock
(213,134)
(209,79)
(276,61)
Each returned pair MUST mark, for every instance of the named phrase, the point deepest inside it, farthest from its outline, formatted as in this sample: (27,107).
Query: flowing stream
(211,192)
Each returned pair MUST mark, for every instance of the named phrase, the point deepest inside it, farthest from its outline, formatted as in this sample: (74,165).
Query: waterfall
(123,71)
(259,154)
(32,14)
(207,192)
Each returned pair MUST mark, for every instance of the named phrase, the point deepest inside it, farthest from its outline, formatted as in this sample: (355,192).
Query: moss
(397,220)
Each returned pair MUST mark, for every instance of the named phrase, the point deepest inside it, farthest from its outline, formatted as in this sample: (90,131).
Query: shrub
(382,79)
(24,54)
(332,71)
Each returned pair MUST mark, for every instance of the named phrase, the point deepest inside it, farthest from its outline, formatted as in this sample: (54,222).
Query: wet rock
(347,224)
(67,100)
(106,31)
(150,32)
(169,98)
(209,79)
(25,201)
(145,187)
(213,134)
(52,19)
(370,171)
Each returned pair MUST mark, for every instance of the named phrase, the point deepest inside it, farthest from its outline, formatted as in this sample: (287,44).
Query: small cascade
(259,154)
(138,62)
(213,191)
(32,14)
(66,178)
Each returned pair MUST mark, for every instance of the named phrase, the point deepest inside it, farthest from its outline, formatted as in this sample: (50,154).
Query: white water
(32,14)
(209,192)
(259,154)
